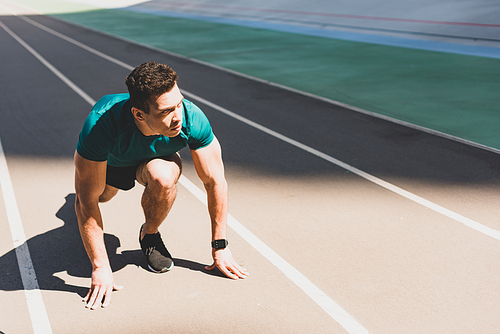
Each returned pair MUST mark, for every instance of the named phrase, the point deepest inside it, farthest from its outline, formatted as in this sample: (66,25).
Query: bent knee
(160,172)
(163,180)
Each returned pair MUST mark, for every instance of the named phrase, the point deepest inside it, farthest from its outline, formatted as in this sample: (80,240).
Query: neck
(144,128)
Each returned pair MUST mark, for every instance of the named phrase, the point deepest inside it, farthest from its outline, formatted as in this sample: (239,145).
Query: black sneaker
(159,259)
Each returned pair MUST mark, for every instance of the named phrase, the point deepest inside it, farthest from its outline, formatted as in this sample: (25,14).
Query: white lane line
(38,313)
(75,42)
(417,199)
(67,39)
(49,66)
(325,302)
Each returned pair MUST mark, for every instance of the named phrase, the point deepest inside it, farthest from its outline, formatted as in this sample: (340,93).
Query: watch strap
(220,244)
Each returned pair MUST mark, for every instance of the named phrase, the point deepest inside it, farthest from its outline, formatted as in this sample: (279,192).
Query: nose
(177,114)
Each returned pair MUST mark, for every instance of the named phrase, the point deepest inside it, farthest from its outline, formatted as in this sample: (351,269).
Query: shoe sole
(161,271)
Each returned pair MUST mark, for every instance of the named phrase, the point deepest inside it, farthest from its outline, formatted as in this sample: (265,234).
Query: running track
(326,205)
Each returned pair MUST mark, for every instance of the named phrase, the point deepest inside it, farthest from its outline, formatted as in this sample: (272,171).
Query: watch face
(219,244)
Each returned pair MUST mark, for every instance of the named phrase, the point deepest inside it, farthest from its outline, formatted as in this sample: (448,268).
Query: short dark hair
(147,82)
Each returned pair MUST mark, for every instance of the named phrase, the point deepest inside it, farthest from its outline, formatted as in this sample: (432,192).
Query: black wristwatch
(219,244)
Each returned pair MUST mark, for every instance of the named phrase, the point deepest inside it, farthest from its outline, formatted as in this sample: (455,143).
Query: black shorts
(121,177)
(124,177)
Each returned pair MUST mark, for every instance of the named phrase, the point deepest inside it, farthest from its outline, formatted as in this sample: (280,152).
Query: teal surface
(451,93)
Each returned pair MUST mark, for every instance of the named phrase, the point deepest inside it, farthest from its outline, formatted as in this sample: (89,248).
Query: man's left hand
(223,259)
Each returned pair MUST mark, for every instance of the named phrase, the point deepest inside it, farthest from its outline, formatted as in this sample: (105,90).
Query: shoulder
(191,108)
(193,115)
(198,126)
(107,111)
(109,102)
(106,120)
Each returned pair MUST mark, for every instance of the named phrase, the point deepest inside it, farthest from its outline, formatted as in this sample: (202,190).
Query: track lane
(268,165)
(378,142)
(333,309)
(63,274)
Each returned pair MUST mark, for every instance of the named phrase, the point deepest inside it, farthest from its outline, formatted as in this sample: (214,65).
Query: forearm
(217,197)
(217,206)
(91,231)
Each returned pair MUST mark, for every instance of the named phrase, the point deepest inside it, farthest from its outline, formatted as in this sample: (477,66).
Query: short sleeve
(94,142)
(200,134)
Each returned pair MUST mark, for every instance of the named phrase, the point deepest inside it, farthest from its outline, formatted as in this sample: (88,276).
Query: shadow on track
(61,249)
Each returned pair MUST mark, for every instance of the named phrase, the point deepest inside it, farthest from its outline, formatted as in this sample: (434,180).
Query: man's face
(165,114)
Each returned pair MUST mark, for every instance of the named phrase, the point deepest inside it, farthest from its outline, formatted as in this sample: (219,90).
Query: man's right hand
(100,289)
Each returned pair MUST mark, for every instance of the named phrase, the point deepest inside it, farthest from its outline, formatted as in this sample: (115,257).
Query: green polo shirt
(110,134)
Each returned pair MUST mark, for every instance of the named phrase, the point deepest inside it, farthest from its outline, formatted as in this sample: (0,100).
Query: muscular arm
(90,181)
(210,169)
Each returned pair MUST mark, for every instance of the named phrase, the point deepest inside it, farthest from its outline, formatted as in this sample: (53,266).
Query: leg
(108,193)
(159,177)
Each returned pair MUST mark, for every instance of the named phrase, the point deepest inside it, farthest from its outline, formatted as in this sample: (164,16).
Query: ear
(138,114)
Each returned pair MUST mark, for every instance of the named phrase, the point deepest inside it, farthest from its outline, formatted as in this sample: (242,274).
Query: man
(137,136)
